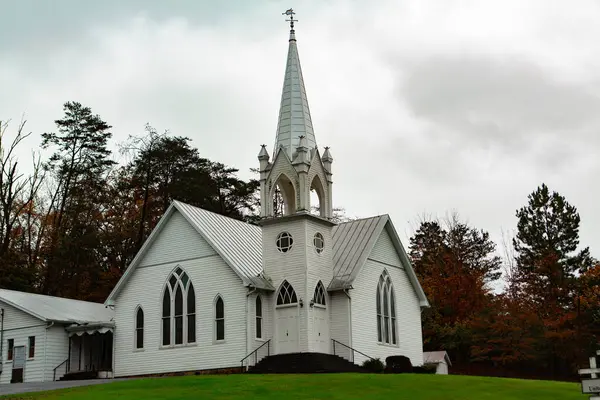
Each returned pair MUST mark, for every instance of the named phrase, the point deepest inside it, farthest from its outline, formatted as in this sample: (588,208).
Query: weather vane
(291,13)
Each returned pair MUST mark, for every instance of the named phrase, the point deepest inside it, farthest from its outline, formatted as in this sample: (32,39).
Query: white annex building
(205,290)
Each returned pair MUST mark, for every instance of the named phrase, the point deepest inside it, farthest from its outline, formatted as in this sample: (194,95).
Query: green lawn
(321,386)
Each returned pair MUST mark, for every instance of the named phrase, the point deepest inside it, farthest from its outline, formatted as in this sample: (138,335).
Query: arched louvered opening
(178,310)
(386,310)
(286,295)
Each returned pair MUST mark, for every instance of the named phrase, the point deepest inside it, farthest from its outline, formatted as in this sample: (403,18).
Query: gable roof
(434,357)
(353,242)
(243,255)
(56,309)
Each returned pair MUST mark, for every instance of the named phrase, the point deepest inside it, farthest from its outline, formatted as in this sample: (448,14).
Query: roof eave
(23,309)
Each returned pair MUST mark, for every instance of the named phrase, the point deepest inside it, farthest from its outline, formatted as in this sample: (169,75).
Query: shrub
(373,365)
(398,365)
(425,369)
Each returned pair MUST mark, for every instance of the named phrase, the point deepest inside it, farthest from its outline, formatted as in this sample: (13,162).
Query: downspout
(250,292)
(1,337)
(45,347)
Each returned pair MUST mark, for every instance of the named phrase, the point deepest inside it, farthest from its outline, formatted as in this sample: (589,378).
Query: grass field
(323,386)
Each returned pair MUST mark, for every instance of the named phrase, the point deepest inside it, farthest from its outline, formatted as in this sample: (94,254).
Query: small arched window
(319,296)
(287,294)
(178,310)
(219,319)
(386,310)
(258,317)
(139,328)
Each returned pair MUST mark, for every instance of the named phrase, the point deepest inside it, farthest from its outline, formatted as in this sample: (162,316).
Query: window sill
(260,339)
(395,346)
(321,306)
(219,341)
(176,346)
(31,359)
(138,350)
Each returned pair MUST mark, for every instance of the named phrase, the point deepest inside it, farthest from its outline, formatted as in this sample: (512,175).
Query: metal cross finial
(291,13)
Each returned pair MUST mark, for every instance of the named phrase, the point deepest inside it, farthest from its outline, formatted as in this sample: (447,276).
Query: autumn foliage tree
(456,265)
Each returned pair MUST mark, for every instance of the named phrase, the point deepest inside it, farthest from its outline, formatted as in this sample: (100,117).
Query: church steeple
(294,114)
(297,168)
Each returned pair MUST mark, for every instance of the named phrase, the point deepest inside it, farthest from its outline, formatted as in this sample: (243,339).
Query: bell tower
(297,244)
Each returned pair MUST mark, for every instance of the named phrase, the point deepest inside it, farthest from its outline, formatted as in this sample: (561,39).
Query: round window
(319,242)
(284,242)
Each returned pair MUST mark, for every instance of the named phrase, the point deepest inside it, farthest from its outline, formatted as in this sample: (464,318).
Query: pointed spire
(294,114)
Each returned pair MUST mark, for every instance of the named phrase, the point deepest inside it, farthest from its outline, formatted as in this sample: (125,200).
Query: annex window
(31,346)
(319,296)
(287,294)
(139,328)
(284,242)
(11,347)
(219,319)
(386,310)
(178,310)
(319,242)
(258,317)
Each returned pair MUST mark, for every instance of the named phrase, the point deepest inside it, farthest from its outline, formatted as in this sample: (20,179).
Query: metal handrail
(59,365)
(350,348)
(255,352)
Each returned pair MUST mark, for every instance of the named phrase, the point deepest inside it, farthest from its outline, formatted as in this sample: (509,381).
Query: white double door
(320,330)
(286,329)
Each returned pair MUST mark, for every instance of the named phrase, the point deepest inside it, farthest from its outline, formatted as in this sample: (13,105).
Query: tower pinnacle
(291,13)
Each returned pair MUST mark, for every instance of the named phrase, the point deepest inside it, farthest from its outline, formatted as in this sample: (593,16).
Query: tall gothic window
(139,328)
(258,317)
(386,310)
(319,296)
(178,315)
(219,319)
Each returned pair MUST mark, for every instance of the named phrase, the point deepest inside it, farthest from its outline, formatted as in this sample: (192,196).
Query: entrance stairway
(78,376)
(303,363)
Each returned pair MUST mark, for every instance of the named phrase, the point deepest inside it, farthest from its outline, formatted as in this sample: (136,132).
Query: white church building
(205,291)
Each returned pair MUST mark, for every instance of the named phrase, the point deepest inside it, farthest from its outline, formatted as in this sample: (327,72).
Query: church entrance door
(286,329)
(320,330)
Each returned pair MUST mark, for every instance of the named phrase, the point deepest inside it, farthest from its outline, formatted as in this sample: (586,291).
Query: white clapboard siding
(339,312)
(267,330)
(57,351)
(364,313)
(19,325)
(180,245)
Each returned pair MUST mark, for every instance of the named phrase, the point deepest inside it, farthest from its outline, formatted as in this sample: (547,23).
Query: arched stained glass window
(287,294)
(319,296)
(139,328)
(386,310)
(258,317)
(178,310)
(219,319)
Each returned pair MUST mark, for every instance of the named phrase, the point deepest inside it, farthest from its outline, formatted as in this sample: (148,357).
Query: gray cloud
(505,102)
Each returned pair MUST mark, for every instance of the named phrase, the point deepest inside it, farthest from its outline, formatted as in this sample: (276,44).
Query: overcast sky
(428,106)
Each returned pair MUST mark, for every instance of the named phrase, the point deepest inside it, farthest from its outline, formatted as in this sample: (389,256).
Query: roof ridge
(214,213)
(47,295)
(365,218)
